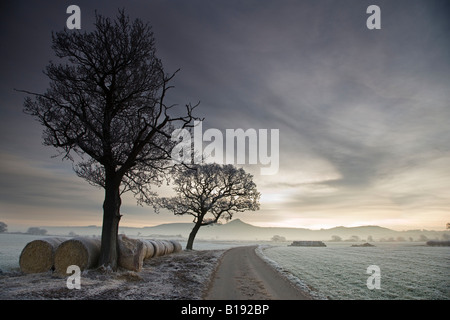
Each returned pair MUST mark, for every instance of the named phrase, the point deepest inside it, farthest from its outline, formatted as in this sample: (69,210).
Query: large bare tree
(211,189)
(105,110)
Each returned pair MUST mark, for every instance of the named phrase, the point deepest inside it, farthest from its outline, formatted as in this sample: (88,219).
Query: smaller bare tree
(217,190)
(3,227)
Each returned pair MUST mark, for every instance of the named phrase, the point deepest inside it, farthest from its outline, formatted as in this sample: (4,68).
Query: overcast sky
(363,115)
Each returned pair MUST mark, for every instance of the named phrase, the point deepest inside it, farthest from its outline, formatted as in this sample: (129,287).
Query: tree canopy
(209,192)
(105,110)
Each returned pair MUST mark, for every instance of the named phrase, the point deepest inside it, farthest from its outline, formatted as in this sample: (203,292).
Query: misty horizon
(236,221)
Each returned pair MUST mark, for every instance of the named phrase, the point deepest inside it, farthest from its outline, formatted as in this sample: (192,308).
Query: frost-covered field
(184,275)
(338,271)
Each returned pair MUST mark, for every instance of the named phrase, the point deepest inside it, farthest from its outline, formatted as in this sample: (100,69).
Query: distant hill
(239,230)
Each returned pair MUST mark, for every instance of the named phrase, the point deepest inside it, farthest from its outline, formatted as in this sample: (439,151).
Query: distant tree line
(31,230)
(278,238)
(355,238)
(36,231)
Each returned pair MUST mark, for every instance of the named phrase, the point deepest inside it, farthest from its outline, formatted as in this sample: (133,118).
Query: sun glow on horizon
(317,224)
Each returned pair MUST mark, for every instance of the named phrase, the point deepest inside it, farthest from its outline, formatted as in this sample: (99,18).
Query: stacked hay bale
(149,249)
(159,248)
(39,255)
(131,253)
(176,246)
(168,246)
(58,253)
(152,249)
(80,251)
(156,248)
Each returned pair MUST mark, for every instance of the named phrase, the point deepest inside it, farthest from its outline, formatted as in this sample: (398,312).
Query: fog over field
(239,230)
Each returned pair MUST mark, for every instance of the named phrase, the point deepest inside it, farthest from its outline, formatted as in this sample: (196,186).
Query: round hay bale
(80,251)
(131,253)
(39,255)
(176,246)
(158,247)
(168,246)
(149,249)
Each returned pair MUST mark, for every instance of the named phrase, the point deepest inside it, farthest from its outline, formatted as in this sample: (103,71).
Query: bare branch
(218,190)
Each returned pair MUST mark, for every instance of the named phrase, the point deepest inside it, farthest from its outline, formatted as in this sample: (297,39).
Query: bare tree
(105,110)
(217,190)
(336,238)
(277,238)
(3,227)
(36,231)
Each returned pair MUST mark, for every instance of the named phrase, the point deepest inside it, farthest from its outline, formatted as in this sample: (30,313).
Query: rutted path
(243,275)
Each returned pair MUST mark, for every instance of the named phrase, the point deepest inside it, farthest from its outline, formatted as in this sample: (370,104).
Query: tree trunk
(193,233)
(110,228)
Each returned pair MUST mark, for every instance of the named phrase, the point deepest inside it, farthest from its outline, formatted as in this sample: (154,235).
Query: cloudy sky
(363,115)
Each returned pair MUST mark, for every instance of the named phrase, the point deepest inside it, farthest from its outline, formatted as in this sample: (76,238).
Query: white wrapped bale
(81,251)
(39,255)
